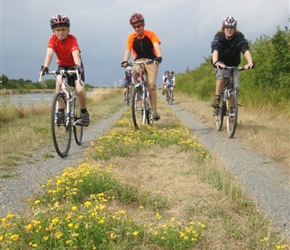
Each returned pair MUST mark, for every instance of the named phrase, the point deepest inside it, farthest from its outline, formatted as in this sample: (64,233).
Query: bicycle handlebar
(234,67)
(60,72)
(149,61)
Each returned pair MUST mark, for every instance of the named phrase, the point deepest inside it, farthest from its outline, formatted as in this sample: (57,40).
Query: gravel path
(261,178)
(14,192)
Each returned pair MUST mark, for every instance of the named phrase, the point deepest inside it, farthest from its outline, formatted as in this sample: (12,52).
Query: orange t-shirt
(63,49)
(143,48)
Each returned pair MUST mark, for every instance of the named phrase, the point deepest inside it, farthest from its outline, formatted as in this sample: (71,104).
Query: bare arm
(158,51)
(76,57)
(48,57)
(127,55)
(248,56)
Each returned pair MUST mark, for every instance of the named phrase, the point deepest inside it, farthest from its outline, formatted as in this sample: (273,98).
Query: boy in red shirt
(66,48)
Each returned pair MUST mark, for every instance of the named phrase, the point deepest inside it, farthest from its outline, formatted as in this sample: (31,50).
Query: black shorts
(72,78)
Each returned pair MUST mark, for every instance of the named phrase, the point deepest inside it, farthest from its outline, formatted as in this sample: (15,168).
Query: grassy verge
(262,129)
(156,188)
(21,135)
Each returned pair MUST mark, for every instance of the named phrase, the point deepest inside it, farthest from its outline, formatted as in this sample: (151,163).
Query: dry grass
(231,218)
(21,137)
(265,130)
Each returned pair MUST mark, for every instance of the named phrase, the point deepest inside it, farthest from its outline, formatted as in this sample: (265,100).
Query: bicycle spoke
(77,127)
(232,117)
(137,108)
(60,128)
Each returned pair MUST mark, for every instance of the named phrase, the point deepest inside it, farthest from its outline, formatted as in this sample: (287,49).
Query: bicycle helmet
(136,18)
(59,20)
(171,72)
(229,22)
(166,71)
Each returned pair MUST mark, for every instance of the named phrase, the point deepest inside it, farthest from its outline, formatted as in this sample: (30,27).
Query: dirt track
(261,178)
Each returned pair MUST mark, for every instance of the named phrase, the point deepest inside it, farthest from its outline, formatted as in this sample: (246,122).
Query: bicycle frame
(145,108)
(229,106)
(61,132)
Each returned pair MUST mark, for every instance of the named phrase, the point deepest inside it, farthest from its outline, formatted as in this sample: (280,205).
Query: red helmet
(59,20)
(136,18)
(229,22)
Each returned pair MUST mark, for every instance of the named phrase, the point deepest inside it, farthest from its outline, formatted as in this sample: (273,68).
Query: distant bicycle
(63,122)
(169,94)
(229,105)
(127,95)
(141,108)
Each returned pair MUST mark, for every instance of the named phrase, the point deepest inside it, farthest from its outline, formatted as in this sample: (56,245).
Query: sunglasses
(137,26)
(61,29)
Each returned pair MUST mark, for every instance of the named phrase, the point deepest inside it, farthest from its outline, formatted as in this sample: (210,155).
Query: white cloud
(185,28)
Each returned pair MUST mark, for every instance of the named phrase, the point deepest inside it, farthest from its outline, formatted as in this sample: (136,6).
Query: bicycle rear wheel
(219,116)
(60,128)
(77,126)
(138,110)
(232,118)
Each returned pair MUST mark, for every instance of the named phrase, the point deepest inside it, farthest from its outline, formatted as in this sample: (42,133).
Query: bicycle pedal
(79,122)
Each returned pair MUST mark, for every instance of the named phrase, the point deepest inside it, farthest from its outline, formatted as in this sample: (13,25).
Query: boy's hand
(124,64)
(44,70)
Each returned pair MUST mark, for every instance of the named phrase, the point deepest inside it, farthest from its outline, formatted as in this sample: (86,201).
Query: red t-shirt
(63,49)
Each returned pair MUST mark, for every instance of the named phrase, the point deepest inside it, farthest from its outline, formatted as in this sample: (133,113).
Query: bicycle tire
(170,101)
(232,116)
(61,133)
(138,110)
(128,96)
(148,112)
(219,116)
(77,125)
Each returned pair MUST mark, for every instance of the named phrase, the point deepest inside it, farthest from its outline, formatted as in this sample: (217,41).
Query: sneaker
(85,119)
(155,116)
(216,102)
(163,93)
(60,118)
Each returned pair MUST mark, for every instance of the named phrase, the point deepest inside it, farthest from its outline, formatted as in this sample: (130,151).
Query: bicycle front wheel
(232,119)
(138,110)
(148,112)
(128,96)
(60,127)
(77,122)
(170,97)
(219,116)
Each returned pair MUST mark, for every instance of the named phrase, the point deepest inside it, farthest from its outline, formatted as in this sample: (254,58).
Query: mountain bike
(61,129)
(141,108)
(229,105)
(169,94)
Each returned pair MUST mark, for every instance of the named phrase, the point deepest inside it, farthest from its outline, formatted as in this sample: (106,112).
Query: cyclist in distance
(170,81)
(67,50)
(128,80)
(226,47)
(144,45)
(164,79)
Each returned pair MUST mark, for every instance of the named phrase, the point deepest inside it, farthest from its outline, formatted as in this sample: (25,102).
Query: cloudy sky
(185,28)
